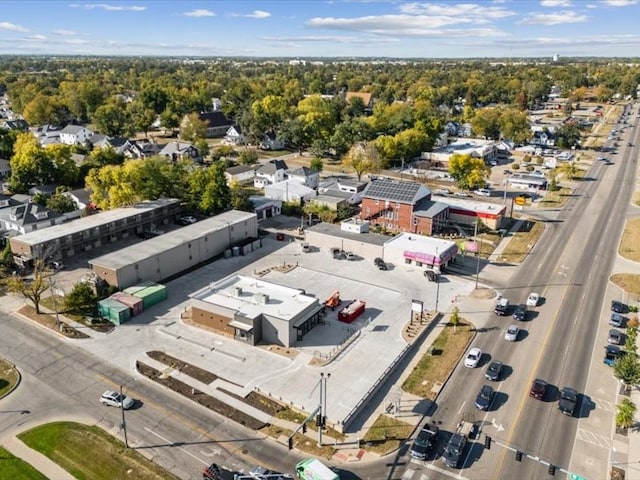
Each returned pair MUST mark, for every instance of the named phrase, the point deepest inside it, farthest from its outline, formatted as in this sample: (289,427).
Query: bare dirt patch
(483,293)
(48,320)
(629,282)
(202,398)
(192,371)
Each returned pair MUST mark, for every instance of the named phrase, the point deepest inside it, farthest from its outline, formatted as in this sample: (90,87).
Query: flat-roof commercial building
(252,310)
(466,212)
(426,252)
(93,231)
(169,254)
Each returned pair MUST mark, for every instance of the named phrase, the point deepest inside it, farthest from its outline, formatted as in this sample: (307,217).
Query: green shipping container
(150,295)
(114,311)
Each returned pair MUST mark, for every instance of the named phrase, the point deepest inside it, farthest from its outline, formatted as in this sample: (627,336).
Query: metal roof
(395,191)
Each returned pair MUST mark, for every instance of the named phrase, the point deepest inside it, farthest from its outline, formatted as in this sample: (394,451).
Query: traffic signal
(487,442)
(290,443)
(304,427)
(518,456)
(552,470)
(318,420)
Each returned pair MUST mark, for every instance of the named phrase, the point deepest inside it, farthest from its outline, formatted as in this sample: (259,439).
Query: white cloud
(555,3)
(200,12)
(455,10)
(556,18)
(107,7)
(64,33)
(75,41)
(331,39)
(36,37)
(259,14)
(12,27)
(620,3)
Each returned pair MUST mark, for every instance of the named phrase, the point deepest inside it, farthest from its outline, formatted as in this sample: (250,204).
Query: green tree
(362,158)
(81,299)
(515,125)
(625,415)
(294,133)
(58,202)
(192,128)
(268,114)
(44,109)
(316,164)
(454,319)
(248,157)
(112,118)
(240,198)
(30,164)
(65,169)
(208,191)
(627,369)
(7,140)
(486,122)
(568,135)
(141,117)
(31,289)
(105,156)
(468,172)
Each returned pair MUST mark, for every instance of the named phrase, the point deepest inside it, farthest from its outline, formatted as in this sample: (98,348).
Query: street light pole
(437,281)
(475,234)
(124,423)
(320,410)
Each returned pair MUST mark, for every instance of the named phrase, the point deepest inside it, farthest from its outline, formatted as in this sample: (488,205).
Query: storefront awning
(240,325)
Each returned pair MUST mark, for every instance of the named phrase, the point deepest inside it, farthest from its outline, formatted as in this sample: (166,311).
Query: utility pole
(320,410)
(124,423)
(475,235)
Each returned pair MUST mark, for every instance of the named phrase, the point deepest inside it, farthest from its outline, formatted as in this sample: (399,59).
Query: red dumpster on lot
(352,311)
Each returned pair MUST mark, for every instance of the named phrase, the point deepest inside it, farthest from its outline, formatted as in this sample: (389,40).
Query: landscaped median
(9,378)
(86,452)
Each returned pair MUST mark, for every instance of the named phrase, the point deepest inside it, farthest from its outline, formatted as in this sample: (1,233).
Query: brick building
(403,207)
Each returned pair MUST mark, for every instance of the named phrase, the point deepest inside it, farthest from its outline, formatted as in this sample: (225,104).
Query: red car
(538,389)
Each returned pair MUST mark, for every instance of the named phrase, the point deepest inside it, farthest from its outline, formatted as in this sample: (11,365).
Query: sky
(317,28)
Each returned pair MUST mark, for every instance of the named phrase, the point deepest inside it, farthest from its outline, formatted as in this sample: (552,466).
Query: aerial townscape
(319,240)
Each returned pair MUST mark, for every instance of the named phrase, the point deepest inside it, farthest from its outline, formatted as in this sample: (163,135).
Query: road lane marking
(446,472)
(593,438)
(461,407)
(173,444)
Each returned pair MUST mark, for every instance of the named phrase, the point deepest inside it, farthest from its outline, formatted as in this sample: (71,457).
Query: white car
(473,358)
(533,299)
(483,192)
(188,220)
(114,399)
(511,334)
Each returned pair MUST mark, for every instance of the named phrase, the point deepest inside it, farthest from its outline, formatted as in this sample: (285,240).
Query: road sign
(574,476)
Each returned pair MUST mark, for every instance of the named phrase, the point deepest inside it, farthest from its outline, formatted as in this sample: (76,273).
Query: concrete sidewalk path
(38,461)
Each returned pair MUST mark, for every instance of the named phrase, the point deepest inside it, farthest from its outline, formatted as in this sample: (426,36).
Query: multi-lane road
(570,268)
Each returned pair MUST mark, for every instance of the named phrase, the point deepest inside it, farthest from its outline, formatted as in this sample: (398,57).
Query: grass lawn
(89,453)
(435,368)
(293,416)
(8,378)
(628,282)
(14,468)
(522,242)
(556,199)
(387,434)
(629,245)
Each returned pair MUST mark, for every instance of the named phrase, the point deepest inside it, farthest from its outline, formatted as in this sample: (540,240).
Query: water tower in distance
(556,57)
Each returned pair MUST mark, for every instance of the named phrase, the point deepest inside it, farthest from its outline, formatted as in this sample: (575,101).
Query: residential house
(81,197)
(543,138)
(75,135)
(234,136)
(240,174)
(366,98)
(332,199)
(217,123)
(477,148)
(402,207)
(271,141)
(305,176)
(265,207)
(47,134)
(118,144)
(7,201)
(27,217)
(5,168)
(142,149)
(289,191)
(46,190)
(16,124)
(274,171)
(340,187)
(175,151)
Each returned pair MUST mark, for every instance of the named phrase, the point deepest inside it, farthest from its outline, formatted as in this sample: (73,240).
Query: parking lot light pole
(475,235)
(124,423)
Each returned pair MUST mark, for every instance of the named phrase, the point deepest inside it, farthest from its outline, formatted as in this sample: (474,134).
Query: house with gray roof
(75,135)
(175,151)
(274,171)
(27,217)
(305,176)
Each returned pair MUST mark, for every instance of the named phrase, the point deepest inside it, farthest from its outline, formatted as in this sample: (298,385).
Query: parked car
(611,354)
(484,398)
(520,313)
(502,307)
(350,256)
(511,334)
(615,337)
(538,389)
(442,191)
(378,262)
(494,370)
(338,254)
(187,220)
(425,441)
(618,307)
(114,399)
(483,192)
(431,275)
(533,299)
(617,320)
(568,401)
(473,358)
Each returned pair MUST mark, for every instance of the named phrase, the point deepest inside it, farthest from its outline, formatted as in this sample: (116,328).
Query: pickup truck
(611,354)
(424,442)
(453,451)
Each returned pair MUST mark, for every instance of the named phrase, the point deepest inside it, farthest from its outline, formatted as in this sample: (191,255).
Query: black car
(453,450)
(381,264)
(538,389)
(618,307)
(338,254)
(484,398)
(431,275)
(520,313)
(424,442)
(568,401)
(493,371)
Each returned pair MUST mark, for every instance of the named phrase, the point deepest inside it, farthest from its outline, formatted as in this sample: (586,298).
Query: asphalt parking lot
(293,378)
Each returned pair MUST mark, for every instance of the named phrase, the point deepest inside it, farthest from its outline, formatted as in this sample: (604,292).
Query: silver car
(114,399)
(511,334)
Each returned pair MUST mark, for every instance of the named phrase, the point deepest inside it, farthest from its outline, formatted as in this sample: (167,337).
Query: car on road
(259,472)
(187,220)
(568,401)
(114,399)
(615,337)
(381,264)
(502,307)
(618,307)
(473,358)
(538,389)
(616,320)
(484,398)
(520,313)
(453,451)
(511,333)
(461,194)
(533,299)
(494,370)
(424,442)
(483,192)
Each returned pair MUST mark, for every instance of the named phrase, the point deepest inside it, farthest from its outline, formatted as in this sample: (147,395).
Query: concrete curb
(17,382)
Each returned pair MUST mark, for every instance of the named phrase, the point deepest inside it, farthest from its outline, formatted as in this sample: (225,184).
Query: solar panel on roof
(394,191)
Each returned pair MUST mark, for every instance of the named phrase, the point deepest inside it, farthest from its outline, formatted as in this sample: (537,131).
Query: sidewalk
(38,461)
